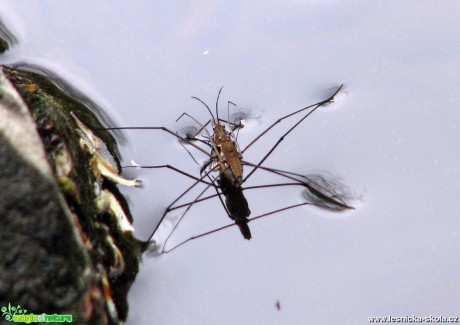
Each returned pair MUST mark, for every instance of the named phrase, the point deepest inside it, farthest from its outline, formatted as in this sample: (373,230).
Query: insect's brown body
(226,159)
(227,156)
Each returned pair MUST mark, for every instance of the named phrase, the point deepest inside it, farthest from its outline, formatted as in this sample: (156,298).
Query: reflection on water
(327,191)
(69,90)
(7,39)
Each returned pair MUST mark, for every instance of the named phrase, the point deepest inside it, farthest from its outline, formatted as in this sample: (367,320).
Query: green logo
(19,315)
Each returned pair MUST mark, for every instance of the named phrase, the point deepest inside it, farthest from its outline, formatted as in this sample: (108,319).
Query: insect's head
(218,128)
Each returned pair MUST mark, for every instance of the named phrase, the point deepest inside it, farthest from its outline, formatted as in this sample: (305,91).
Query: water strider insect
(225,153)
(226,159)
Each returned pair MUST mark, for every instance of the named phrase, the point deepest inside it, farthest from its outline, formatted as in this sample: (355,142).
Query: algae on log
(65,237)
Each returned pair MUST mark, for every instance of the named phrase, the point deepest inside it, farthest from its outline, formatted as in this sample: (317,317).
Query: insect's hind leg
(234,224)
(189,205)
(171,205)
(186,211)
(241,222)
(327,193)
(314,106)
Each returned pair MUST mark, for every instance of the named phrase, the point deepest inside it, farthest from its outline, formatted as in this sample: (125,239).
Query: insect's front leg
(206,165)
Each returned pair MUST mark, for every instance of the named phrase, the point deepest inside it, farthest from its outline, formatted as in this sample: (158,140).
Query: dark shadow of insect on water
(327,191)
(226,159)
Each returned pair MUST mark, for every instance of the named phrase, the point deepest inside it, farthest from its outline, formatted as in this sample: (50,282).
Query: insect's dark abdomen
(244,228)
(236,204)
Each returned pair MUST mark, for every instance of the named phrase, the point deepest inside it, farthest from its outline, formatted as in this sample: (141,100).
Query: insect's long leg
(218,194)
(213,145)
(190,204)
(233,124)
(272,185)
(237,127)
(325,101)
(284,173)
(276,171)
(173,168)
(288,131)
(228,116)
(202,126)
(323,192)
(299,180)
(236,137)
(157,128)
(194,139)
(183,215)
(177,199)
(244,189)
(206,142)
(188,151)
(234,224)
(303,183)
(193,202)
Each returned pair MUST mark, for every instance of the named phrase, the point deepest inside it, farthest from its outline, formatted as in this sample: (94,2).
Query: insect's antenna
(209,110)
(217,103)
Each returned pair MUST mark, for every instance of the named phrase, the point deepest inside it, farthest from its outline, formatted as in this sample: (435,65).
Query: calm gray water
(392,137)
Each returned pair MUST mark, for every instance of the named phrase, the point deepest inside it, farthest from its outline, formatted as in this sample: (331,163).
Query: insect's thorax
(227,155)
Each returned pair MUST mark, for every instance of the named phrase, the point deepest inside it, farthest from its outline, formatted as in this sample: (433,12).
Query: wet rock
(64,249)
